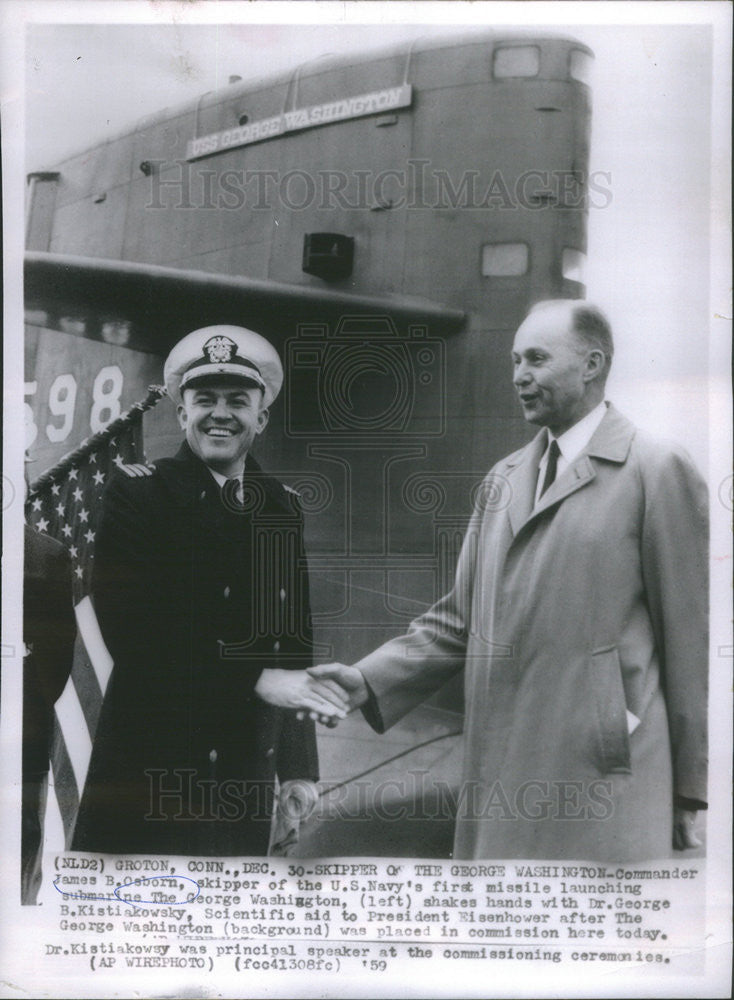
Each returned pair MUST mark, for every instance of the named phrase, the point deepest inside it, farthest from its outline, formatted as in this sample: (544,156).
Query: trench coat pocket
(611,712)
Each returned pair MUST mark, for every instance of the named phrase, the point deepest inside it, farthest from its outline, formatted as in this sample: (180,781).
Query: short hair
(590,325)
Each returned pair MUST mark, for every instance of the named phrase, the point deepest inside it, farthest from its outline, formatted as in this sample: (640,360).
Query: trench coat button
(282,594)
(276,646)
(213,756)
(227,591)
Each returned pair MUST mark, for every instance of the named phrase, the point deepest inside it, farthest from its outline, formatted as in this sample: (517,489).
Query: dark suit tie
(550,469)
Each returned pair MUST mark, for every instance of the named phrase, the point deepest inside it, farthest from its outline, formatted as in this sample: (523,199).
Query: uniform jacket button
(276,646)
(282,594)
(270,752)
(227,591)
(213,756)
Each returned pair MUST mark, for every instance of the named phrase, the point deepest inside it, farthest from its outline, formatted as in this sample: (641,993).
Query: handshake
(325,693)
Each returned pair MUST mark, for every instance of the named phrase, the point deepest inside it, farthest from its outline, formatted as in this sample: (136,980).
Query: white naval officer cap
(224,350)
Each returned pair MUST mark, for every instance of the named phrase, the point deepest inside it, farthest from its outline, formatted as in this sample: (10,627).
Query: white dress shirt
(571,443)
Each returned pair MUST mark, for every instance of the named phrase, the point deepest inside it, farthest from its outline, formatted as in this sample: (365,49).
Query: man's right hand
(350,679)
(324,701)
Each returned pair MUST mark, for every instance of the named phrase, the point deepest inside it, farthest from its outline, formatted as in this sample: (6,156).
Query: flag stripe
(93,642)
(86,687)
(76,733)
(65,785)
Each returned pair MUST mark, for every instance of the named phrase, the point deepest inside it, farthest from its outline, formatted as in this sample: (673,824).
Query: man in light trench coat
(579,617)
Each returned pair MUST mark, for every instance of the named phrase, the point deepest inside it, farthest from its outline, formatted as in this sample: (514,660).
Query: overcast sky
(648,249)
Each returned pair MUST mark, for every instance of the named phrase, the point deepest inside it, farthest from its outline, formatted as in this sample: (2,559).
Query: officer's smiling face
(221,418)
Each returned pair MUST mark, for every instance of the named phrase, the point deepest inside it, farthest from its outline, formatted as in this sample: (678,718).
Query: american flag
(65,503)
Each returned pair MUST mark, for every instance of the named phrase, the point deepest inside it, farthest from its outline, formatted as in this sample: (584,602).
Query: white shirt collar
(573,441)
(221,480)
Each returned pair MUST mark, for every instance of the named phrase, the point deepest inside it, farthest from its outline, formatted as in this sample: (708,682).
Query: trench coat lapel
(522,472)
(610,442)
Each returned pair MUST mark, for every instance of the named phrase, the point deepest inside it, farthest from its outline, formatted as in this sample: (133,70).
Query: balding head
(561,357)
(584,319)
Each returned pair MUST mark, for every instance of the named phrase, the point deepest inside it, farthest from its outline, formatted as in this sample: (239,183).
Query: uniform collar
(192,466)
(220,479)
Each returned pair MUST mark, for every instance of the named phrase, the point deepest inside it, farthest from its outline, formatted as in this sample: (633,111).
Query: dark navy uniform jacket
(195,594)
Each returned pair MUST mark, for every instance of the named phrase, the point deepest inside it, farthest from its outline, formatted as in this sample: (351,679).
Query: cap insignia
(219,350)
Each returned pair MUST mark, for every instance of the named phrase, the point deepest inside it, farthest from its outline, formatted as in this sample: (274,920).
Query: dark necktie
(550,470)
(232,492)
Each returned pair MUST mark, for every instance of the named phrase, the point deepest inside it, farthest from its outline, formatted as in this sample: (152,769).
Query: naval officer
(201,590)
